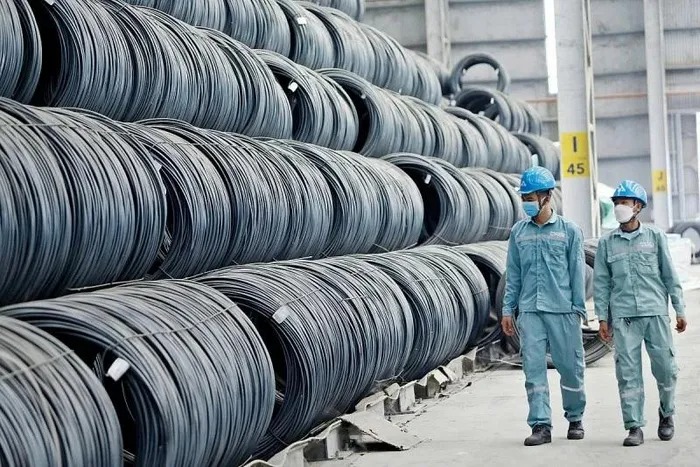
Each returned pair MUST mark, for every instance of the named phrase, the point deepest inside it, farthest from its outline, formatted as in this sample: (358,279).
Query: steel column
(437,30)
(658,123)
(576,114)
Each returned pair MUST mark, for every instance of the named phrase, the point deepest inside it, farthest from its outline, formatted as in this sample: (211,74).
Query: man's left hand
(681,324)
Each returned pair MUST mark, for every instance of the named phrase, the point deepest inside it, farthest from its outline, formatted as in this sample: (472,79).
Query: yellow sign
(574,155)
(660,181)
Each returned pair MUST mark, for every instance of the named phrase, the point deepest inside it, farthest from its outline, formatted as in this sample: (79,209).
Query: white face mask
(623,213)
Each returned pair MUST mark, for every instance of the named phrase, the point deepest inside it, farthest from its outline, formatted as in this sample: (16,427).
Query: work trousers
(628,335)
(560,333)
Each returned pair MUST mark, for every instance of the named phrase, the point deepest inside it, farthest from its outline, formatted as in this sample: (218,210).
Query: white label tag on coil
(534,160)
(302,20)
(51,2)
(158,165)
(428,178)
(281,314)
(118,368)
(362,96)
(293,86)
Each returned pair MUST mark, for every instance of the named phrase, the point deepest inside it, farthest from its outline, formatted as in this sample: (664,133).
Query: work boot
(541,434)
(666,428)
(575,431)
(635,438)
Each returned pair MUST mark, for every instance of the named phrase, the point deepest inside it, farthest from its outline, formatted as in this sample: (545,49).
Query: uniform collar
(551,220)
(629,235)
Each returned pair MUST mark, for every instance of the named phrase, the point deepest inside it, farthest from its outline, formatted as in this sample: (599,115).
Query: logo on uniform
(557,235)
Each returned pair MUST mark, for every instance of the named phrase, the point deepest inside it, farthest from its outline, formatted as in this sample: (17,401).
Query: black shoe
(666,428)
(575,431)
(541,434)
(635,438)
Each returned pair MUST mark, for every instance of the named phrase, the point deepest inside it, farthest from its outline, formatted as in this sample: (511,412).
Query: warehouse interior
(278,233)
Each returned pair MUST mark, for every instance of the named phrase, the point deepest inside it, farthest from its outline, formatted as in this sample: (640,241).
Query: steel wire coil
(478,287)
(354,9)
(199,226)
(475,152)
(435,309)
(403,220)
(107,221)
(447,137)
(311,43)
(132,63)
(355,225)
(446,221)
(208,13)
(377,119)
(395,69)
(198,388)
(477,208)
(490,258)
(492,143)
(310,202)
(292,304)
(55,412)
(545,150)
(22,58)
(516,155)
(454,272)
(427,85)
(471,60)
(353,51)
(514,115)
(322,112)
(501,205)
(266,105)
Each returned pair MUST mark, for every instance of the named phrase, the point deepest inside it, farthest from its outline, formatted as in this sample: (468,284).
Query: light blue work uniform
(634,278)
(545,282)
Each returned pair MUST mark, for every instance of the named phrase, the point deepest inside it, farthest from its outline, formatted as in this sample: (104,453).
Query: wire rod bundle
(264,106)
(55,412)
(377,119)
(322,112)
(513,114)
(447,137)
(198,385)
(84,206)
(502,213)
(132,63)
(327,333)
(466,63)
(311,43)
(353,51)
(490,258)
(352,8)
(503,151)
(403,219)
(547,153)
(20,47)
(446,220)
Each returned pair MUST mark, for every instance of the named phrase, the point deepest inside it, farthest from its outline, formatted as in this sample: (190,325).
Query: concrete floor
(484,424)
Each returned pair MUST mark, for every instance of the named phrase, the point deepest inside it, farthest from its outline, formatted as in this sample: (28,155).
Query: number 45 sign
(574,155)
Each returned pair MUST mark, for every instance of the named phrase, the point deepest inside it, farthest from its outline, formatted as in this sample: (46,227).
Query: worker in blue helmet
(545,284)
(633,280)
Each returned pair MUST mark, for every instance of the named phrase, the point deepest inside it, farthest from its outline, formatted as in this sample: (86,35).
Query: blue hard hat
(632,190)
(536,179)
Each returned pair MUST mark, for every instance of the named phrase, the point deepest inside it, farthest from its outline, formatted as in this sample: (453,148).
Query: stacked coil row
(229,364)
(105,56)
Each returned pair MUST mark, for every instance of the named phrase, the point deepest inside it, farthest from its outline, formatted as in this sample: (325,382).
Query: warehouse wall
(514,31)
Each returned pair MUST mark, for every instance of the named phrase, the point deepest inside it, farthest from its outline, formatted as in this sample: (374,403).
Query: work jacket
(545,268)
(634,275)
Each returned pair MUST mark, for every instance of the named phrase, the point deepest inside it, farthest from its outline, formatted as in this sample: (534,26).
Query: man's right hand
(508,327)
(605,332)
